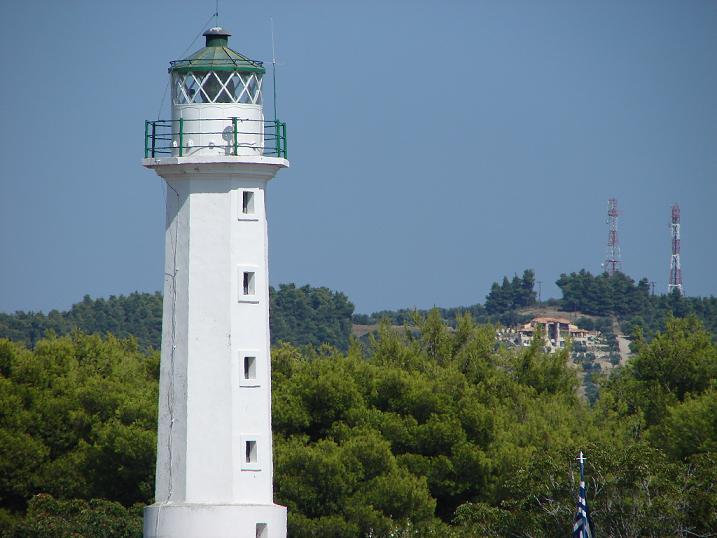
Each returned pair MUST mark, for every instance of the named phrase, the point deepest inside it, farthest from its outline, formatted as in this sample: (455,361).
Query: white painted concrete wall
(207,410)
(209,125)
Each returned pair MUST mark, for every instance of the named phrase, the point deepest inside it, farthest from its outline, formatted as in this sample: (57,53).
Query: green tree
(81,420)
(690,427)
(681,361)
(55,518)
(447,409)
(632,490)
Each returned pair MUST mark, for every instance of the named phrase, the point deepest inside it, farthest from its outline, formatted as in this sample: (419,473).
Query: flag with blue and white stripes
(582,526)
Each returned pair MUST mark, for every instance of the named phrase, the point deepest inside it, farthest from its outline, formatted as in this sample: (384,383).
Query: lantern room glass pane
(190,86)
(242,93)
(205,87)
(226,91)
(212,86)
(258,89)
(177,96)
(184,88)
(237,87)
(216,87)
(255,89)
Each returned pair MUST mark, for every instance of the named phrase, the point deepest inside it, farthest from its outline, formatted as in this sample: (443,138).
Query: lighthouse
(216,154)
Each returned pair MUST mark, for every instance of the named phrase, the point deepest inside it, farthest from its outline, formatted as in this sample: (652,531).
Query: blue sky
(435,145)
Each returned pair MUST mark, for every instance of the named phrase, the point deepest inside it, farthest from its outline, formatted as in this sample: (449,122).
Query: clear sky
(435,145)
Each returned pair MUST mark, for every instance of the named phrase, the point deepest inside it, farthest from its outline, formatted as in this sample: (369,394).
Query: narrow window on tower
(262,530)
(250,452)
(247,200)
(249,368)
(248,283)
(247,204)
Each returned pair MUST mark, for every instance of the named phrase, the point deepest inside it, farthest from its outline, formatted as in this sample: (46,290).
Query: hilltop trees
(138,315)
(511,294)
(309,315)
(662,308)
(618,295)
(604,294)
(313,316)
(299,315)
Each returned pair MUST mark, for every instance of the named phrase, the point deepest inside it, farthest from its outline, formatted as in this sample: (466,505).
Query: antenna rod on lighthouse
(273,65)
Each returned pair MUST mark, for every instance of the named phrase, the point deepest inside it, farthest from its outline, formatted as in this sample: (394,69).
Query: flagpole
(582,526)
(584,499)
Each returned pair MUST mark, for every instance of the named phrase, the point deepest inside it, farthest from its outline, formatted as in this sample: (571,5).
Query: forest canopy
(431,431)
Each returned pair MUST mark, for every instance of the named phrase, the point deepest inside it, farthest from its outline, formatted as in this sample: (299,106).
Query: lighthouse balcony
(215,135)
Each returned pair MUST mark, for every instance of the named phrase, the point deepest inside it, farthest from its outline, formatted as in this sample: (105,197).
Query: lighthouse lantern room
(216,155)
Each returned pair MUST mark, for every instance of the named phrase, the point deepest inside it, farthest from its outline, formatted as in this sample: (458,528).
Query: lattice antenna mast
(613,261)
(675,266)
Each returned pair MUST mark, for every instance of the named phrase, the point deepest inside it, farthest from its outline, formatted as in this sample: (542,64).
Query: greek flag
(582,526)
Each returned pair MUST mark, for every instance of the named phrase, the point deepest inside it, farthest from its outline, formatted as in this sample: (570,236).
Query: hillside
(617,306)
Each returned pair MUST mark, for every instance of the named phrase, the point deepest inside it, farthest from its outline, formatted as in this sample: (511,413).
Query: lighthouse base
(214,521)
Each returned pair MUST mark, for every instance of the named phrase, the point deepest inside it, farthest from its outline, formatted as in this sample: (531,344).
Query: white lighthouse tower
(216,154)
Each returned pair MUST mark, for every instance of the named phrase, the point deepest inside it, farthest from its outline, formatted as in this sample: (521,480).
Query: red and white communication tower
(613,262)
(675,282)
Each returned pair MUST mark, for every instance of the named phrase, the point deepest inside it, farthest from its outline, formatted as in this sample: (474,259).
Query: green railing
(172,137)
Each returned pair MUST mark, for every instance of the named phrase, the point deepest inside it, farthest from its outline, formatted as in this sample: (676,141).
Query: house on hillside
(556,331)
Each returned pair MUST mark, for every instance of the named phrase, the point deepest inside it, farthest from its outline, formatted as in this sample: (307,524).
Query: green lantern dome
(217,56)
